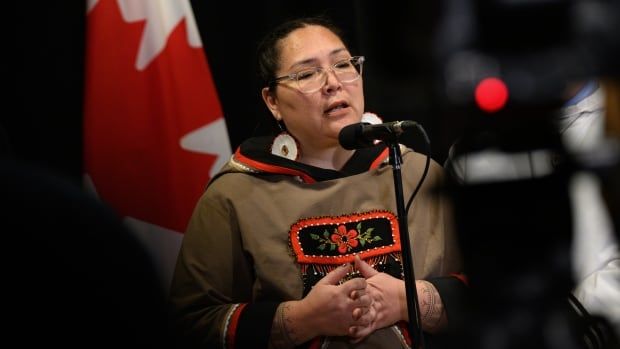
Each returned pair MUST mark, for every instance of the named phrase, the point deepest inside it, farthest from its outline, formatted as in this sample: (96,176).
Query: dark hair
(269,53)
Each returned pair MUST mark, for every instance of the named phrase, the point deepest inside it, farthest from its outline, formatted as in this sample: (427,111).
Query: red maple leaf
(134,120)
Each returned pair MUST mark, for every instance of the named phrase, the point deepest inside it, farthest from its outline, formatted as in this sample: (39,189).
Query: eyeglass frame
(293,76)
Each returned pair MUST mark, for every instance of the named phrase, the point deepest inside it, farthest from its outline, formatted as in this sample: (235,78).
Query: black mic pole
(411,291)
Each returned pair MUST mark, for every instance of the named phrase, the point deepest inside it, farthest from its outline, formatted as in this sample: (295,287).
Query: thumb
(364,268)
(334,276)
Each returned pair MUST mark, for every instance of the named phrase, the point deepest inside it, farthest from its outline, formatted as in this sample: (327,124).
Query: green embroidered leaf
(332,247)
(321,247)
(362,242)
(377,238)
(326,234)
(314,236)
(369,230)
(359,226)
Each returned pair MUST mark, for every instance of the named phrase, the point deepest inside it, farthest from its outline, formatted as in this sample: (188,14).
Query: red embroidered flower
(345,239)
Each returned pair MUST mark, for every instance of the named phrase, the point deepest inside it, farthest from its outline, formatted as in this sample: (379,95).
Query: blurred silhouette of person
(595,253)
(73,275)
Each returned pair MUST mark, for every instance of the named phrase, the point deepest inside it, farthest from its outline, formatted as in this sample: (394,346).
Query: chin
(342,123)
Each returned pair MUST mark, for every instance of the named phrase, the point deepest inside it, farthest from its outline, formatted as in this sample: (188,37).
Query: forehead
(310,43)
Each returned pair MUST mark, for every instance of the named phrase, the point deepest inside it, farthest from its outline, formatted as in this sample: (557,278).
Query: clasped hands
(357,307)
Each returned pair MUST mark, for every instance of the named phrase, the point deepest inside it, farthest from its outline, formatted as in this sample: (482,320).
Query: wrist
(280,337)
(432,313)
(300,322)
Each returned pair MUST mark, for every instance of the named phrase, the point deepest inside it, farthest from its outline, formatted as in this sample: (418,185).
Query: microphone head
(351,137)
(408,124)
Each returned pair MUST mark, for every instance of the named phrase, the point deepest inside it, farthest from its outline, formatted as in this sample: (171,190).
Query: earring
(281,125)
(371,118)
(284,144)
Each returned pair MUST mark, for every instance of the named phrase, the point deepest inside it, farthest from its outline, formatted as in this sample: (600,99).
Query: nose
(331,81)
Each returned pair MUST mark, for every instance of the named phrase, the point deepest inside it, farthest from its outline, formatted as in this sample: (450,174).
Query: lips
(336,106)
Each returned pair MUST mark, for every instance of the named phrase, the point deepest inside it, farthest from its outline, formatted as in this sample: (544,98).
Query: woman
(269,256)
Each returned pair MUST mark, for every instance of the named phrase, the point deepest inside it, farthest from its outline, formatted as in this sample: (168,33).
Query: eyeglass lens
(313,79)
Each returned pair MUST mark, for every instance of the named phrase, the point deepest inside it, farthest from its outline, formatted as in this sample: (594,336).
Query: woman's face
(315,119)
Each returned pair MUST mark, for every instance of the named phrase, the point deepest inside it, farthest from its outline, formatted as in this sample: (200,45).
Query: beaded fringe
(324,269)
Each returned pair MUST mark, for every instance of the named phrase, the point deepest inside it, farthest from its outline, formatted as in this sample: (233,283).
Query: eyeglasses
(313,79)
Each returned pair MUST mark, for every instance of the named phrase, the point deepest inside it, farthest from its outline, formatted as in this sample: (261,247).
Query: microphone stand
(411,291)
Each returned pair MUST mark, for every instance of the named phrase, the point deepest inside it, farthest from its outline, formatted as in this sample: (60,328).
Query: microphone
(364,135)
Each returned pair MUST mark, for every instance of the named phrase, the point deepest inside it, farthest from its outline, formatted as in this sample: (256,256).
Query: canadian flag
(154,132)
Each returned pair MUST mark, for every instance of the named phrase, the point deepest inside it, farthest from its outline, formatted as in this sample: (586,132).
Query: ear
(272,102)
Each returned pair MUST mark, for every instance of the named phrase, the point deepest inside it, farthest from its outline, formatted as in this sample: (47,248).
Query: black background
(42,116)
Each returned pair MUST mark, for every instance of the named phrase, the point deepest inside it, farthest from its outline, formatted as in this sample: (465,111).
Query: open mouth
(336,106)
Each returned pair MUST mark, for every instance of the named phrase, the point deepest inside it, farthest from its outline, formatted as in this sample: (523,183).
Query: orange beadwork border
(348,258)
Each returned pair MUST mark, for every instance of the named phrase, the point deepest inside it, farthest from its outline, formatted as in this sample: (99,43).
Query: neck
(332,158)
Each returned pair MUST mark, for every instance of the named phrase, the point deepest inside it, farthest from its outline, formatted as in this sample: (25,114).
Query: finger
(359,312)
(366,270)
(334,276)
(358,333)
(357,293)
(357,284)
(353,331)
(366,318)
(354,294)
(363,301)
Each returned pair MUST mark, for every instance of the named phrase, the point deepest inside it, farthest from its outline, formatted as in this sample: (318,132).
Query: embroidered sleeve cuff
(454,295)
(249,325)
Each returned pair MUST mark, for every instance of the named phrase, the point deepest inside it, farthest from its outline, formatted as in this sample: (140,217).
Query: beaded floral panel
(321,244)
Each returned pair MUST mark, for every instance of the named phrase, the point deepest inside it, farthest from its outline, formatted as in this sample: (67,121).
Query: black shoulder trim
(255,151)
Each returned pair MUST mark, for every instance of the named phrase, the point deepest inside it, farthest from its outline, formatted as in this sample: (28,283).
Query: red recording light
(491,94)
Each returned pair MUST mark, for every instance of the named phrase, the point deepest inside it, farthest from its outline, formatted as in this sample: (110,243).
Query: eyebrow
(313,60)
